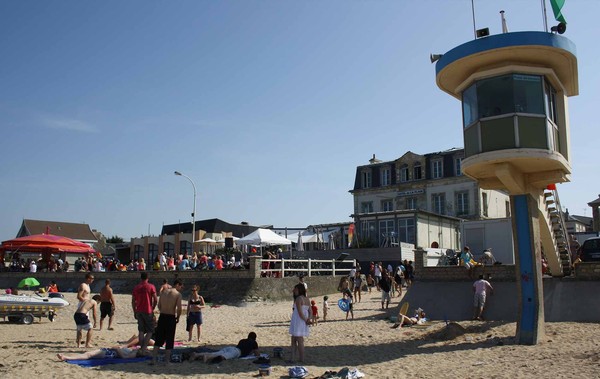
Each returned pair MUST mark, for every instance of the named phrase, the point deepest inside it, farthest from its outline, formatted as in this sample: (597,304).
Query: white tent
(263,237)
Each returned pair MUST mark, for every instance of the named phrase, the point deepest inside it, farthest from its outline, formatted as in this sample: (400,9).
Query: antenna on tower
(504,27)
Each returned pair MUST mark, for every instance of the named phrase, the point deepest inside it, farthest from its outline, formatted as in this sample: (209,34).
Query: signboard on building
(410,192)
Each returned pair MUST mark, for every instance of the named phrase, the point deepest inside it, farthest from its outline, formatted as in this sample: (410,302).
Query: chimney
(374,160)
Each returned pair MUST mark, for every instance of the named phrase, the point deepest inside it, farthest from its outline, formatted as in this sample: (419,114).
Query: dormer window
(366,179)
(437,169)
(417,172)
(386,176)
(404,173)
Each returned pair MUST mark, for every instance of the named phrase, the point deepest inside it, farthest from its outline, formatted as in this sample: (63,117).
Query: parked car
(590,250)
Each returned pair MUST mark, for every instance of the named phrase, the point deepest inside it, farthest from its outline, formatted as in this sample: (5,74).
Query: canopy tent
(323,237)
(263,237)
(45,244)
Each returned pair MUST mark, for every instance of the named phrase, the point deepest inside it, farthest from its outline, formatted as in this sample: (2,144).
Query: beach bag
(298,372)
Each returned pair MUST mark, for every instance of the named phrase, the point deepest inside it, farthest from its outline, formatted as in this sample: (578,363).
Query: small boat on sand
(23,308)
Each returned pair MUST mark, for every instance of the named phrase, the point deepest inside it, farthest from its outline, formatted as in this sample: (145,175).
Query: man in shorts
(385,284)
(170,309)
(107,304)
(480,287)
(82,320)
(143,302)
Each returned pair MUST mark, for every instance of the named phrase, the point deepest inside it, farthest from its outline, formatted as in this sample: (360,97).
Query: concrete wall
(230,287)
(447,293)
(564,300)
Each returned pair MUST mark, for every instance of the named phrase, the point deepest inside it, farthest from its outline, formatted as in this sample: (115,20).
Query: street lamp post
(194,211)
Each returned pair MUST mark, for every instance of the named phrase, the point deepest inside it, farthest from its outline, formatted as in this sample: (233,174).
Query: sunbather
(405,320)
(113,352)
(244,347)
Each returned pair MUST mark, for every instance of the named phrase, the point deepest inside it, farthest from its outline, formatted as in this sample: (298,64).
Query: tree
(115,239)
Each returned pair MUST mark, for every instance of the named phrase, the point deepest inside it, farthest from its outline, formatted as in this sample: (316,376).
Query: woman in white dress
(300,321)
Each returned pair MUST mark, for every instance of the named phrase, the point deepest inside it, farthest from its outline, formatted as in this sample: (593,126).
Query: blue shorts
(194,318)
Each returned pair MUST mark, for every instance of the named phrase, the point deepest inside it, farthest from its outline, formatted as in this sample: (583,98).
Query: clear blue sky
(267,105)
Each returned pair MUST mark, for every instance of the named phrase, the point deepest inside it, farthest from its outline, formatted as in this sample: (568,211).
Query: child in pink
(314,312)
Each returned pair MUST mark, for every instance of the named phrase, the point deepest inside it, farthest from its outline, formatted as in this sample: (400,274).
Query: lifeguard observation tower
(514,88)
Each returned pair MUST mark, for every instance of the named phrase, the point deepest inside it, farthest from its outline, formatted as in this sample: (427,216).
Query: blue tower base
(528,257)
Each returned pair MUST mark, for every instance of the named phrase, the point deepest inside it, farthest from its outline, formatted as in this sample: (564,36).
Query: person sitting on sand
(244,348)
(404,320)
(104,353)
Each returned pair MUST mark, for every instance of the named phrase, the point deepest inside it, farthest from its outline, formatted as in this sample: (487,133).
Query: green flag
(556,8)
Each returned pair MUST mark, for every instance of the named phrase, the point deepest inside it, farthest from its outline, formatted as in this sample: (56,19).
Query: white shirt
(32,267)
(481,286)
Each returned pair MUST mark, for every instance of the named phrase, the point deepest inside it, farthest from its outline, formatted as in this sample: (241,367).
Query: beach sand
(469,350)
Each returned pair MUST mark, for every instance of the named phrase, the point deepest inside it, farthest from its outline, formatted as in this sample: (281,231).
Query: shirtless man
(164,286)
(169,305)
(83,292)
(107,304)
(82,319)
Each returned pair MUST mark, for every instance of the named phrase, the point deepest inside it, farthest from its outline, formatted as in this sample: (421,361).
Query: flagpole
(544,16)
(473,11)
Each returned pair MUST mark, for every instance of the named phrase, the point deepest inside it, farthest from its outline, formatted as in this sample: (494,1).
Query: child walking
(325,307)
(314,312)
(350,299)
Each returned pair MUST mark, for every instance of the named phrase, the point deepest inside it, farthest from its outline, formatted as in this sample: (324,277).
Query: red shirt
(143,294)
(219,264)
(315,310)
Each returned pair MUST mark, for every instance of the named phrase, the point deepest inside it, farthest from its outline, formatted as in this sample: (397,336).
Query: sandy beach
(468,350)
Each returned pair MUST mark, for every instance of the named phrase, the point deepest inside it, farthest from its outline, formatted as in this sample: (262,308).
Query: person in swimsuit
(82,319)
(107,304)
(169,305)
(194,313)
(104,353)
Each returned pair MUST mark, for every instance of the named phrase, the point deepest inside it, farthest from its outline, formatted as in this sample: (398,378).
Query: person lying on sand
(134,341)
(245,347)
(104,353)
(405,320)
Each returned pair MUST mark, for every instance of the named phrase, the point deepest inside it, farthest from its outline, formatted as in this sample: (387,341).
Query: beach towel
(105,361)
(297,372)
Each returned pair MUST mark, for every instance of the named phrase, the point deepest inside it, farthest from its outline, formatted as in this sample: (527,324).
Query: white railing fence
(306,267)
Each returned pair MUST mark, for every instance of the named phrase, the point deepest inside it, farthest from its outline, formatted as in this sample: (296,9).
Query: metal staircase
(554,236)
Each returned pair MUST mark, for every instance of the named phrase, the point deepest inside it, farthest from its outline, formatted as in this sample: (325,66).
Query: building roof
(80,232)
(595,202)
(581,219)
(213,225)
